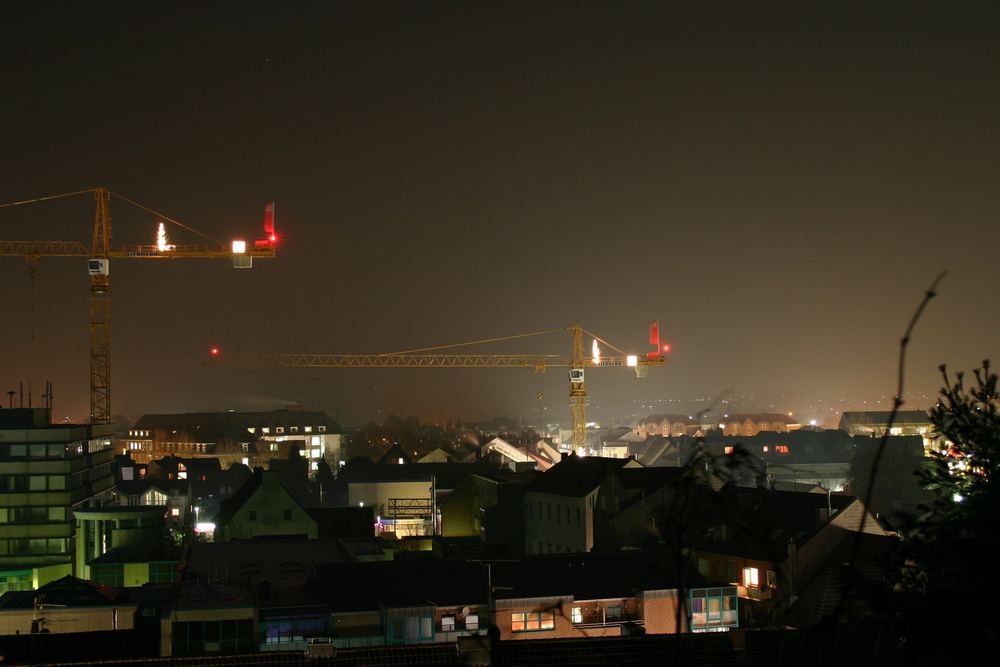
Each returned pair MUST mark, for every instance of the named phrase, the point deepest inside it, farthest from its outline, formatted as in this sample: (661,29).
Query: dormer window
(295,429)
(279,429)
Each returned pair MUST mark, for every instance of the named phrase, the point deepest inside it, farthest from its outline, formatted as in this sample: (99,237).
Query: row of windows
(532,621)
(448,623)
(33,546)
(32,514)
(266,430)
(41,450)
(16,483)
(548,548)
(560,510)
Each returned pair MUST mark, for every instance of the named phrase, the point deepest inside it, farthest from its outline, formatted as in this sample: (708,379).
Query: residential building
(102,529)
(251,438)
(745,424)
(566,507)
(263,507)
(594,595)
(405,496)
(666,425)
(47,471)
(875,424)
(68,604)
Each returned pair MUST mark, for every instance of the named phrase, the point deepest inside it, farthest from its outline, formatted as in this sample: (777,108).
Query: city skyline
(776,185)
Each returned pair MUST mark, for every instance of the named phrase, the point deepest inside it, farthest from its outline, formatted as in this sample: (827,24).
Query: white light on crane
(239,247)
(162,244)
(595,350)
(632,360)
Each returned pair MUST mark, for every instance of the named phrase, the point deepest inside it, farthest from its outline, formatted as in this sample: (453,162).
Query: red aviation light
(214,351)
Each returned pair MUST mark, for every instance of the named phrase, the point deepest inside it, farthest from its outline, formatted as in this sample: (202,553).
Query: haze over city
(776,185)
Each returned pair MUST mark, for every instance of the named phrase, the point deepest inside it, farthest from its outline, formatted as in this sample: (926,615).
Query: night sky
(777,183)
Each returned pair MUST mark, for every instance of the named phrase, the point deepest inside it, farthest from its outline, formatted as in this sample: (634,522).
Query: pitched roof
(671,417)
(877,417)
(589,576)
(575,475)
(401,583)
(69,591)
(757,417)
(230,506)
(219,423)
(770,520)
(446,475)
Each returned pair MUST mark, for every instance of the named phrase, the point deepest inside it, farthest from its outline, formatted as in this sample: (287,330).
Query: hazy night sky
(776,182)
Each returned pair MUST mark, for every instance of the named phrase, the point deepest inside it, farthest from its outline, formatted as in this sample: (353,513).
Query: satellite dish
(465,611)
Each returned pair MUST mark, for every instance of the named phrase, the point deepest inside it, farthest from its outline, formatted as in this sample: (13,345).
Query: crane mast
(100,312)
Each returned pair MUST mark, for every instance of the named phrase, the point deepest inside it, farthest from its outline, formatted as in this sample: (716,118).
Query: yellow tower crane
(99,255)
(578,362)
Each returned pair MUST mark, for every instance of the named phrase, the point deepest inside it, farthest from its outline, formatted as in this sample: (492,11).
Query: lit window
(765,449)
(322,429)
(576,615)
(471,621)
(447,624)
(245,461)
(400,460)
(729,449)
(751,577)
(273,447)
(781,449)
(175,512)
(532,621)
(308,429)
(265,430)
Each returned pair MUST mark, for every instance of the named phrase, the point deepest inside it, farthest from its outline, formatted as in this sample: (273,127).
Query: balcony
(756,593)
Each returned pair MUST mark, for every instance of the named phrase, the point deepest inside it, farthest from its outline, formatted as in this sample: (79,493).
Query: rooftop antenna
(10,398)
(20,386)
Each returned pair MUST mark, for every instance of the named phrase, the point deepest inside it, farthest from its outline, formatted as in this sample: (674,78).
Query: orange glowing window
(781,449)
(729,449)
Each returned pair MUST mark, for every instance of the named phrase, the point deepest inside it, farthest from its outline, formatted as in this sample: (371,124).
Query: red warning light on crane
(214,351)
